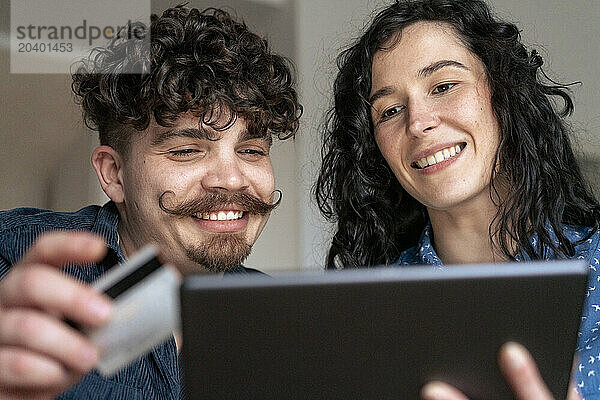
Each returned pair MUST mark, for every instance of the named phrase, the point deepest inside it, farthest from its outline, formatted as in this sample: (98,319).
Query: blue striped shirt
(155,375)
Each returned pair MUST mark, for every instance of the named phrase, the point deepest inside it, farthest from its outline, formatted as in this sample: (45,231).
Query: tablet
(377,333)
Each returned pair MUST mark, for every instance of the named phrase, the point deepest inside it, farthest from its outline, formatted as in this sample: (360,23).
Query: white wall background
(45,149)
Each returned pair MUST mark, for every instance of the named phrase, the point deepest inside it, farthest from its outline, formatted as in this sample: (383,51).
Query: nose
(224,173)
(422,118)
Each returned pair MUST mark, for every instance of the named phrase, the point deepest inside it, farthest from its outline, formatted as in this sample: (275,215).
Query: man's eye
(390,112)
(253,152)
(183,152)
(444,87)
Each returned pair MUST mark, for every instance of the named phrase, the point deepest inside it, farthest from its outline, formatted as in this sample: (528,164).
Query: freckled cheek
(475,115)
(465,109)
(393,150)
(487,130)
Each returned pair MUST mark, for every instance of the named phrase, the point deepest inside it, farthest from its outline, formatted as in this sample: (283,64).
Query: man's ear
(108,164)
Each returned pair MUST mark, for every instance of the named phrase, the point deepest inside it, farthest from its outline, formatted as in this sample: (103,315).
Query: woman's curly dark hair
(377,219)
(199,61)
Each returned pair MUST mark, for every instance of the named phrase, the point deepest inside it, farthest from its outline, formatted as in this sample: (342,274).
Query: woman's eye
(390,112)
(444,87)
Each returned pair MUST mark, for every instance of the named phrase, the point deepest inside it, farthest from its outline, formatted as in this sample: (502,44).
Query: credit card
(145,312)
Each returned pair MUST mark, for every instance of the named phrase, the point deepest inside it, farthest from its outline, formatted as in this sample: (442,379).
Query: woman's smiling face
(432,116)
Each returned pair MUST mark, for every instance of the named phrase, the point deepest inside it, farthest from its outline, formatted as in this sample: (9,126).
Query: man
(184,158)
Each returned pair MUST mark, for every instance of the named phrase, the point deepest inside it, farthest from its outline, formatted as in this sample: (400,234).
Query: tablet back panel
(378,333)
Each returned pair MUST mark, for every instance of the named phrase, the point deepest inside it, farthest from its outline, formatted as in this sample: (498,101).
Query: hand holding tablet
(521,373)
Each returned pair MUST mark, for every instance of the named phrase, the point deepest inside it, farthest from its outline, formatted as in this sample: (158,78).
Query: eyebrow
(384,91)
(202,134)
(248,135)
(436,66)
(193,133)
(422,73)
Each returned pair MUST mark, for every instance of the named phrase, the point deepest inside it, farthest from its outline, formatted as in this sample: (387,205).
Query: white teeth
(220,215)
(439,156)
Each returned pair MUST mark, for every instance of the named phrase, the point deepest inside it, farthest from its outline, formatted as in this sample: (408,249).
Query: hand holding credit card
(145,312)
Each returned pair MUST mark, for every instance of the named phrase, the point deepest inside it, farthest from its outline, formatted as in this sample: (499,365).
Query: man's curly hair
(204,62)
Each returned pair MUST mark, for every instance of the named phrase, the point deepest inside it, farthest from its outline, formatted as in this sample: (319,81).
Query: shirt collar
(105,225)
(426,254)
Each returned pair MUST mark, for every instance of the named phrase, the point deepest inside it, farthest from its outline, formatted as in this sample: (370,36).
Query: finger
(48,289)
(441,391)
(46,335)
(22,369)
(521,373)
(60,247)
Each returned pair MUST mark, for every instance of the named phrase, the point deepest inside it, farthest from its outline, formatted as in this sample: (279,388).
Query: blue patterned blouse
(587,371)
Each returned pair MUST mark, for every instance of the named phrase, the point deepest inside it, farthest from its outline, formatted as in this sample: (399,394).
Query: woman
(444,147)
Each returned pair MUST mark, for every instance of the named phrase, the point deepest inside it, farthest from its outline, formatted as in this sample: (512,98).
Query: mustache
(213,200)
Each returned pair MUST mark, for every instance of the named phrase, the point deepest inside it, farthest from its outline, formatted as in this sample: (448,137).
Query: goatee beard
(220,252)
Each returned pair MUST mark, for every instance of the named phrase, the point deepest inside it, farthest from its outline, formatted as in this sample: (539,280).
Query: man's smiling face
(202,195)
